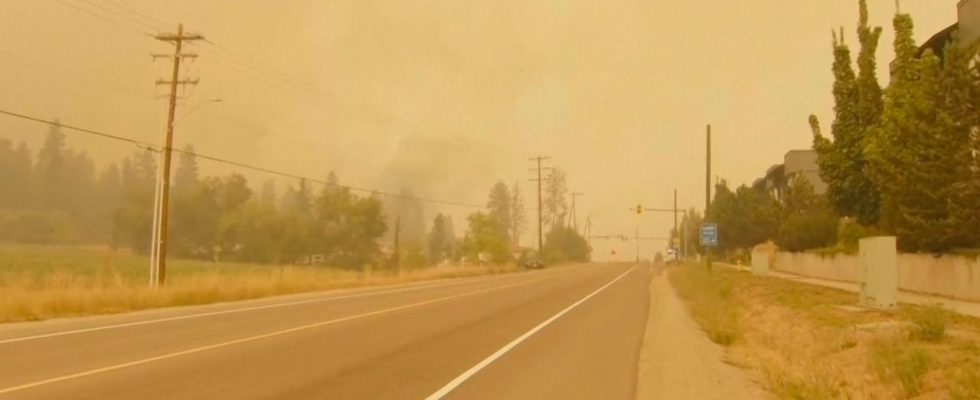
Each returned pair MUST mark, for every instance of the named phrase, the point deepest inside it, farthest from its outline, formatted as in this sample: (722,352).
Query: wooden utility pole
(707,194)
(539,180)
(178,40)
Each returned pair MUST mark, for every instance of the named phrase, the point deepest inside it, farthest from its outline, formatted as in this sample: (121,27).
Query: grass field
(808,342)
(41,282)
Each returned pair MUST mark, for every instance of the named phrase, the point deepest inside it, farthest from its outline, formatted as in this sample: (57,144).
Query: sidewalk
(958,306)
(677,361)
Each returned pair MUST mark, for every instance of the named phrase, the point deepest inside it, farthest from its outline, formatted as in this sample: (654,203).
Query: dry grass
(805,346)
(896,361)
(709,300)
(41,282)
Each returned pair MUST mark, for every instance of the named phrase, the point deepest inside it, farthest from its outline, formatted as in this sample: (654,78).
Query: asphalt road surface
(561,333)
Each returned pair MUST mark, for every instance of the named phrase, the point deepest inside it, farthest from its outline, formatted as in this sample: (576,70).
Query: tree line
(902,160)
(497,231)
(905,160)
(58,196)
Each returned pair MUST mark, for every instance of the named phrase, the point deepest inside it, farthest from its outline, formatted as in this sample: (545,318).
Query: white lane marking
(452,385)
(245,309)
(256,337)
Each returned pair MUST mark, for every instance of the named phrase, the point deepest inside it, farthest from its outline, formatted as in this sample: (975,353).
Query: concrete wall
(949,276)
(969,19)
(836,268)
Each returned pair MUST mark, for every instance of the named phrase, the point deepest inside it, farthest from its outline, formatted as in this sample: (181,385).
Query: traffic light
(639,209)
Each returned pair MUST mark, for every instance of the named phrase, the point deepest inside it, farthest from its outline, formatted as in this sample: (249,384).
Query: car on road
(533,263)
(530,260)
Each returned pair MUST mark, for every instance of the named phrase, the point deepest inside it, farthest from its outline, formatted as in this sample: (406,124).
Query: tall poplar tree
(888,158)
(857,109)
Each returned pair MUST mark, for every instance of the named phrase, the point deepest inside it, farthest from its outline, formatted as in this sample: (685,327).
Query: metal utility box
(879,272)
(763,257)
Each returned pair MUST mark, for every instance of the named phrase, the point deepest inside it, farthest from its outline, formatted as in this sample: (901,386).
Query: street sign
(709,235)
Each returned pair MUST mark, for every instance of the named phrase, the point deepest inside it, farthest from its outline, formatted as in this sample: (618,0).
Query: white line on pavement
(452,385)
(245,309)
(254,338)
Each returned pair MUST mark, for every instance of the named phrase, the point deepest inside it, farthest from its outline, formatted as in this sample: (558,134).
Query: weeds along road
(570,333)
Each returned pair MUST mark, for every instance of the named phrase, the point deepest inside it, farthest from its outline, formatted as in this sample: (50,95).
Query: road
(560,333)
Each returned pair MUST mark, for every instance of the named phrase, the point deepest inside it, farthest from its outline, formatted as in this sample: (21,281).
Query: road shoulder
(677,361)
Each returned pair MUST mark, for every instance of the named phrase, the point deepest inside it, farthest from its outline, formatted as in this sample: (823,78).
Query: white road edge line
(420,286)
(452,385)
(254,338)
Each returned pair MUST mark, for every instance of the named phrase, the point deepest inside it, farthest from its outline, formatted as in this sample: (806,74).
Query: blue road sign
(709,235)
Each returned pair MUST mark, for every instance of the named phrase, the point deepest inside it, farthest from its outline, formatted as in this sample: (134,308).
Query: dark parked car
(532,263)
(530,260)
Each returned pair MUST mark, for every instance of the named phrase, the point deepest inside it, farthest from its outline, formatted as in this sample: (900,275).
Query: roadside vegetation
(811,342)
(74,235)
(44,281)
(888,153)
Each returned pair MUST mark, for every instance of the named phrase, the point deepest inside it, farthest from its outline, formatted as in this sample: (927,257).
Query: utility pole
(539,180)
(707,194)
(161,234)
(676,232)
(574,216)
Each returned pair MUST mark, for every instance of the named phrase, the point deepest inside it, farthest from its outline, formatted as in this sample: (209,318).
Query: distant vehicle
(533,263)
(530,260)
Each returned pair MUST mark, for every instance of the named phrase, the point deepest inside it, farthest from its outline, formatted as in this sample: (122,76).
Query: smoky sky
(446,97)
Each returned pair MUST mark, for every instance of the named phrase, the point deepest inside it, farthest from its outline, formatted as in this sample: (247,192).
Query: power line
(36,68)
(323,182)
(252,167)
(120,14)
(152,21)
(75,128)
(273,78)
(104,18)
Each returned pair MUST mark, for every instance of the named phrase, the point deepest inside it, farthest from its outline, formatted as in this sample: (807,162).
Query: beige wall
(969,20)
(805,162)
(950,276)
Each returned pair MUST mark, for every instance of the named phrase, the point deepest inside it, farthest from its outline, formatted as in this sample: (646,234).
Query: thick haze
(448,96)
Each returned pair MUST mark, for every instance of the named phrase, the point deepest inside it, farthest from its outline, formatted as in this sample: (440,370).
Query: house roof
(937,43)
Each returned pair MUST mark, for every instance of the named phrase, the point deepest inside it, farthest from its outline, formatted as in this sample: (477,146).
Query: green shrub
(929,323)
(849,233)
(563,244)
(810,230)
